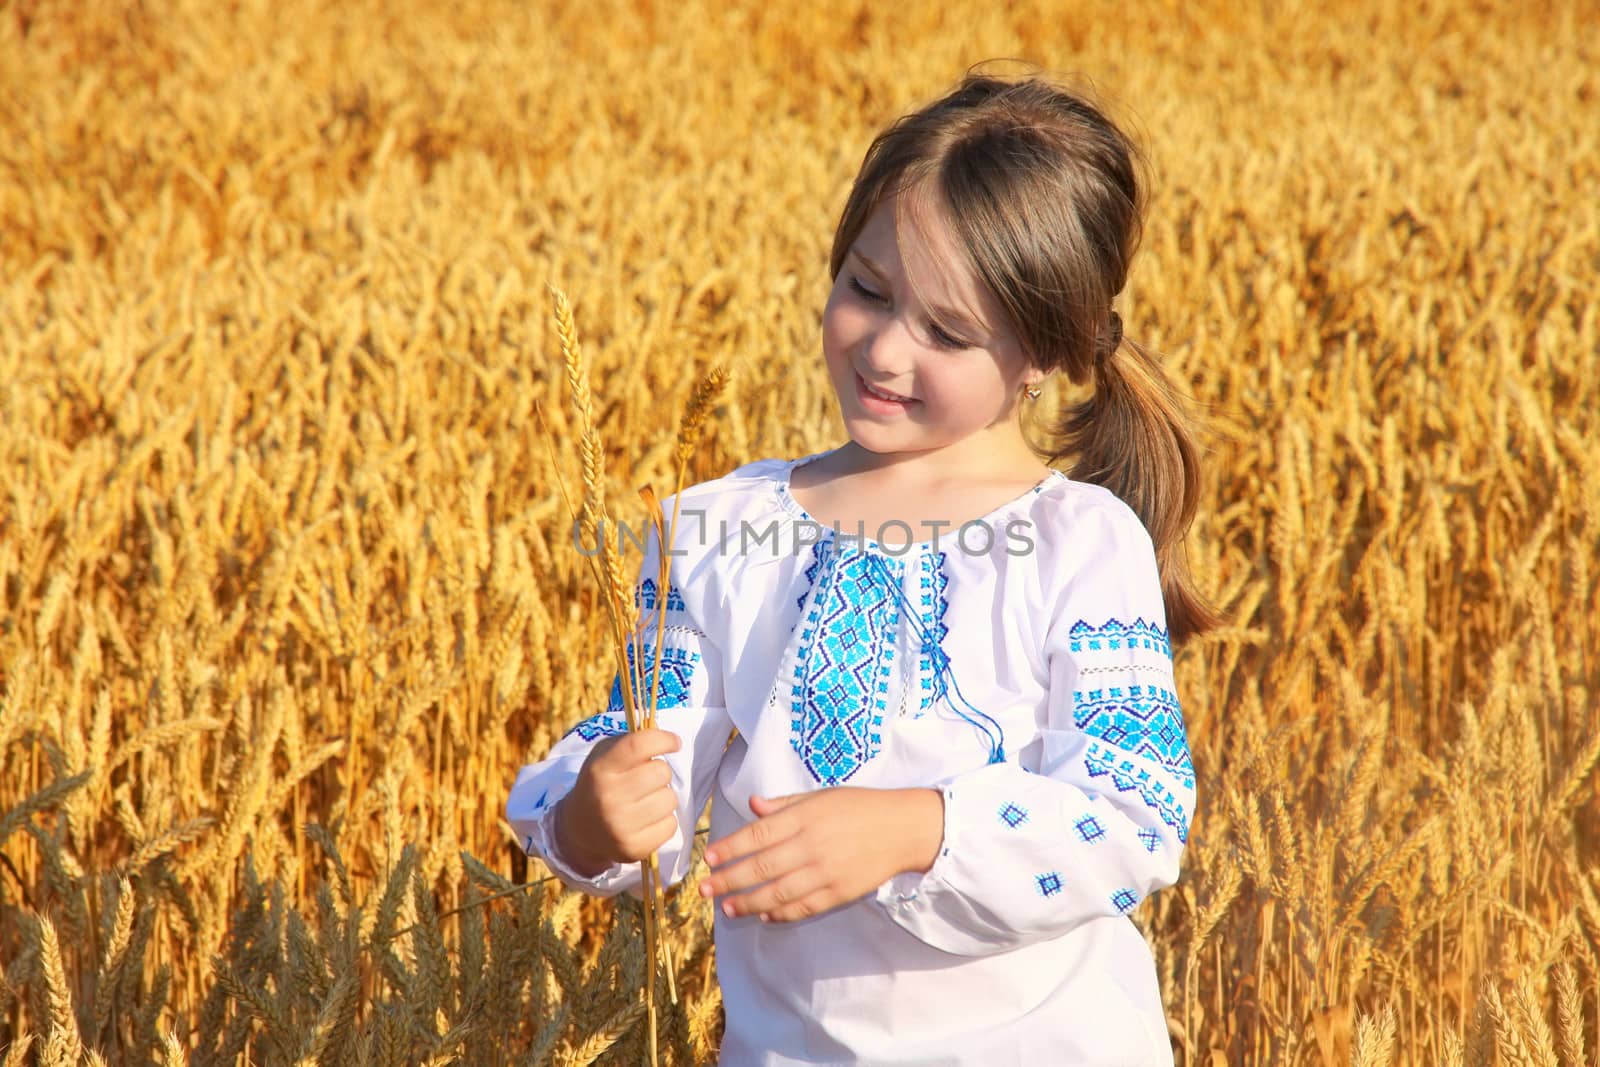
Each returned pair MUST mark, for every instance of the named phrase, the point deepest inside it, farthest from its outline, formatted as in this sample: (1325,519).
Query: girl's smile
(878,401)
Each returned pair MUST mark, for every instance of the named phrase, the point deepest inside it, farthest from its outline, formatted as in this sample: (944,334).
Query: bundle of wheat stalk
(639,683)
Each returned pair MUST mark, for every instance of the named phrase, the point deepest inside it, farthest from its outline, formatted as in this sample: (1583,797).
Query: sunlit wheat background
(287,588)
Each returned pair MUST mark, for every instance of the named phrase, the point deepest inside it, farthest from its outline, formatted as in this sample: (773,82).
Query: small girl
(957,761)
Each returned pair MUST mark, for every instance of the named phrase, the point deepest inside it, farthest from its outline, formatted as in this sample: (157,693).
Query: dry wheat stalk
(620,612)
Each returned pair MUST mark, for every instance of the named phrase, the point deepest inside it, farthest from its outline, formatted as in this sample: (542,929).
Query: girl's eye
(855,283)
(943,338)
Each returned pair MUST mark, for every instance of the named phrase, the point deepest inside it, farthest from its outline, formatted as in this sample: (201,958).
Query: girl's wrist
(923,828)
(584,863)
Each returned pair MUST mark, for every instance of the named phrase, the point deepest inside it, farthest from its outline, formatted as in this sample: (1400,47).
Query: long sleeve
(1094,816)
(689,703)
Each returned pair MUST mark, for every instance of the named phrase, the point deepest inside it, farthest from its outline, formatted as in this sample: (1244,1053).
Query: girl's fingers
(636,746)
(652,777)
(772,804)
(624,755)
(651,807)
(778,896)
(655,835)
(814,903)
(752,837)
(767,865)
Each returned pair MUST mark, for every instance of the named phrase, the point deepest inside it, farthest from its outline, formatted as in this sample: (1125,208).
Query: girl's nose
(886,352)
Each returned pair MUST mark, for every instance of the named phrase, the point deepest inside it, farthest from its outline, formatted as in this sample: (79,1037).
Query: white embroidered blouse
(1021,665)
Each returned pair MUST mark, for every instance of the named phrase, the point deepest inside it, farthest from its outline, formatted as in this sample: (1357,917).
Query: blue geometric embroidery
(845,660)
(677,669)
(1104,760)
(811,576)
(597,726)
(1113,636)
(1089,829)
(1143,719)
(932,603)
(644,597)
(811,579)
(1151,839)
(1013,816)
(1124,900)
(1049,884)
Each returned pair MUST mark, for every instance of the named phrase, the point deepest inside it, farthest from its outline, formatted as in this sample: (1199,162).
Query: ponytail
(1132,437)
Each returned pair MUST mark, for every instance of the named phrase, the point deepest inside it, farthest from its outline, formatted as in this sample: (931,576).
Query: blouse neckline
(786,499)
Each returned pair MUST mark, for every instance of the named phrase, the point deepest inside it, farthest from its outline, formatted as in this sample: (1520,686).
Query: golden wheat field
(287,589)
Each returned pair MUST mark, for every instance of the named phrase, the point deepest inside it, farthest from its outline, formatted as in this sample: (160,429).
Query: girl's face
(907,318)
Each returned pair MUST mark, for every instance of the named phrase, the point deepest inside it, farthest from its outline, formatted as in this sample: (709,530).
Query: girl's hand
(622,807)
(810,852)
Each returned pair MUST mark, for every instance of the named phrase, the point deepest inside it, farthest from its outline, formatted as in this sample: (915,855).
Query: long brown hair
(1043,195)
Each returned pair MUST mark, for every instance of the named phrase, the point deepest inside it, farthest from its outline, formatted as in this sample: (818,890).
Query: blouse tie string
(993,735)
